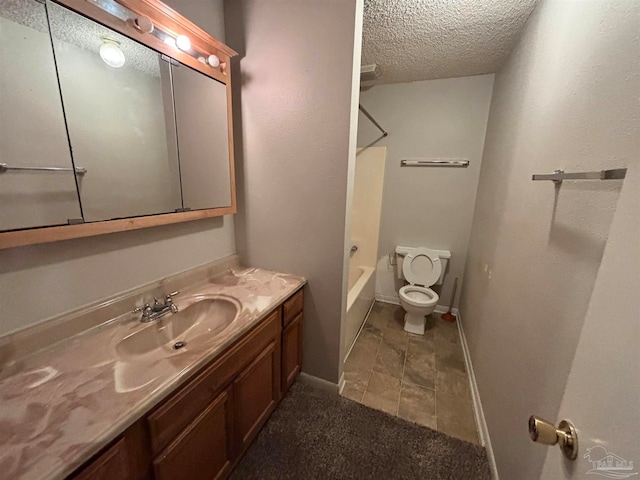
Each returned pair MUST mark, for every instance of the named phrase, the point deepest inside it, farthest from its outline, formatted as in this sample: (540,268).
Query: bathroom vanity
(204,428)
(121,401)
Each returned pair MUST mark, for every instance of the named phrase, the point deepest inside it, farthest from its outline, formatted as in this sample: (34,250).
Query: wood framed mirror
(122,120)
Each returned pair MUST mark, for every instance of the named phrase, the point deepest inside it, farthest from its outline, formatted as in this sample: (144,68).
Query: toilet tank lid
(446,254)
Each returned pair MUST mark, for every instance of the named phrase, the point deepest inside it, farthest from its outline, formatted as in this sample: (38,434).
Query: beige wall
(42,281)
(427,206)
(293,150)
(567,97)
(207,14)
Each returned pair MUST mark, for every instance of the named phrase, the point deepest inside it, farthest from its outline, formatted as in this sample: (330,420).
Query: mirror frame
(170,21)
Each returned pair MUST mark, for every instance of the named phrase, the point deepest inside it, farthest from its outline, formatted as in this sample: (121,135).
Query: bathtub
(359,300)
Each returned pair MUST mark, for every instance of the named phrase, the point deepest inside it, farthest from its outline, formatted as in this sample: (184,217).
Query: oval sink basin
(196,325)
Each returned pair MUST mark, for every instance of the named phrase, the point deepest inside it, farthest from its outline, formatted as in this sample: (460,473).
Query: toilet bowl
(421,268)
(418,302)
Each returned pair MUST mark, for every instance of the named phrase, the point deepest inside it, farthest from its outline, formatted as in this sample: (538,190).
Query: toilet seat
(422,266)
(418,296)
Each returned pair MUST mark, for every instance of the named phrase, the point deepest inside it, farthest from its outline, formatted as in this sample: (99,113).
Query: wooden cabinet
(204,450)
(291,339)
(113,463)
(291,352)
(257,391)
(202,430)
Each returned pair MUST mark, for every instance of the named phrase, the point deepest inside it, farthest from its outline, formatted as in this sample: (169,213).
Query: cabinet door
(111,464)
(256,392)
(291,352)
(204,450)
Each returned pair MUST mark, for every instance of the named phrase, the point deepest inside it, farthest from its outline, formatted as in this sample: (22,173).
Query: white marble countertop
(61,405)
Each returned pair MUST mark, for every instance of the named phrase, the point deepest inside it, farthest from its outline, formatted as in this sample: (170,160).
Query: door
(602,397)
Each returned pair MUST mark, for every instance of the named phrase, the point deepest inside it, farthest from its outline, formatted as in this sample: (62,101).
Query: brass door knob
(565,435)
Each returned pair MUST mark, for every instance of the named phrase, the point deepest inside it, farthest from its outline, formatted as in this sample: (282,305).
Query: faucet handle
(141,308)
(169,301)
(145,309)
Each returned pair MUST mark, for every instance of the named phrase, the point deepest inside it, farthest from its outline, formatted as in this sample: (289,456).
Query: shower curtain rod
(373,120)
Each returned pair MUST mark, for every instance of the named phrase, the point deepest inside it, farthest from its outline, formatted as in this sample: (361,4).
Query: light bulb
(213,60)
(111,54)
(183,43)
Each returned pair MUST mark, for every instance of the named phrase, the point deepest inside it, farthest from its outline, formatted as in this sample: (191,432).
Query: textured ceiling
(426,39)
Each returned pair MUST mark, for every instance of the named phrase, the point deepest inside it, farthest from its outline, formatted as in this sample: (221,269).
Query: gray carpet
(316,434)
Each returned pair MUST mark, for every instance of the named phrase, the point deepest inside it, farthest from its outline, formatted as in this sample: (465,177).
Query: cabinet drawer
(175,414)
(292,307)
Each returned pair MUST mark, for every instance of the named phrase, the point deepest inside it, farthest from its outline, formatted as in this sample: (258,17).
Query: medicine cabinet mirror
(113,116)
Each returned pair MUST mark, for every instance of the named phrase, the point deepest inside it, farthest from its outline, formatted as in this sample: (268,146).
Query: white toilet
(422,268)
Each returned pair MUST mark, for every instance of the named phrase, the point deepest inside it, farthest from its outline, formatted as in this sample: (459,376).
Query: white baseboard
(481,423)
(445,309)
(341,384)
(387,298)
(395,301)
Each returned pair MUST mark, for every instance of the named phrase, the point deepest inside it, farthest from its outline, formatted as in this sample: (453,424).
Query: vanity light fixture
(211,60)
(183,43)
(111,54)
(143,24)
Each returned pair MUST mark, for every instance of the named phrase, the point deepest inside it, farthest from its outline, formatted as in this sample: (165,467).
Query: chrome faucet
(158,309)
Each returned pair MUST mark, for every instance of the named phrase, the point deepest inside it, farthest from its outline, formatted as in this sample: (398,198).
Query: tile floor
(419,378)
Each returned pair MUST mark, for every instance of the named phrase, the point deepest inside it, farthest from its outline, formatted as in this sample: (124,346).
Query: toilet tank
(444,255)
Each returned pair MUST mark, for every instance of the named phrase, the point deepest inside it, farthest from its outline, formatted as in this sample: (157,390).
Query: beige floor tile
(419,369)
(396,338)
(451,382)
(451,362)
(431,322)
(449,355)
(463,431)
(356,375)
(417,404)
(446,329)
(373,330)
(369,336)
(363,355)
(352,392)
(446,344)
(377,318)
(390,359)
(419,343)
(396,319)
(384,386)
(458,408)
(380,403)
